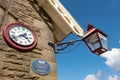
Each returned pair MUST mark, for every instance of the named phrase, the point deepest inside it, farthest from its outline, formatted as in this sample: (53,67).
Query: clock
(20,36)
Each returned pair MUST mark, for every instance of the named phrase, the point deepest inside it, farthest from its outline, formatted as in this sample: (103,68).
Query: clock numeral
(18,28)
(12,32)
(15,29)
(29,41)
(23,29)
(30,37)
(29,34)
(21,42)
(25,42)
(13,36)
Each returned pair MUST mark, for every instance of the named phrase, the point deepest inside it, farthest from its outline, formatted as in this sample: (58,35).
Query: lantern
(96,40)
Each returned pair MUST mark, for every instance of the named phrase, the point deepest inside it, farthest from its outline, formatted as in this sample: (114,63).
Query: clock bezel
(13,44)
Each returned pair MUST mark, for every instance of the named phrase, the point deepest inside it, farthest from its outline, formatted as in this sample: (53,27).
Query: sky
(77,62)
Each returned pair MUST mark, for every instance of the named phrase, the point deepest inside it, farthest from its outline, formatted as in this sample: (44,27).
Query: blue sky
(77,62)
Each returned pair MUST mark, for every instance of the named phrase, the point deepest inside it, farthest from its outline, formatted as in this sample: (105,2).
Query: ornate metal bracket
(56,46)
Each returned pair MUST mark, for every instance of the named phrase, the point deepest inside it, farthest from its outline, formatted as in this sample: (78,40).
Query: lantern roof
(92,29)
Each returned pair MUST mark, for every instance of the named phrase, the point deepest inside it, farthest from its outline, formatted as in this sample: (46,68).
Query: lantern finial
(90,26)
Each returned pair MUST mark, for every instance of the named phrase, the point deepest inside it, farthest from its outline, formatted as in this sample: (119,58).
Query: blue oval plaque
(40,66)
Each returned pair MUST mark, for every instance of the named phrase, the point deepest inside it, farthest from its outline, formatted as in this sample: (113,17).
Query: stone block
(16,65)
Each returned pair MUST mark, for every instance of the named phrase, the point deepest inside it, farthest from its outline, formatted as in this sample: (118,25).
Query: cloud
(115,77)
(97,76)
(113,58)
(94,77)
(91,77)
(100,74)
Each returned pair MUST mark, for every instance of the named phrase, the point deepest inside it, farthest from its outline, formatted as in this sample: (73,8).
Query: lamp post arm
(59,49)
(66,44)
(69,43)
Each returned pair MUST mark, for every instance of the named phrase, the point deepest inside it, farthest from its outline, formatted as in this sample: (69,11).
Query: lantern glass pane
(103,40)
(93,41)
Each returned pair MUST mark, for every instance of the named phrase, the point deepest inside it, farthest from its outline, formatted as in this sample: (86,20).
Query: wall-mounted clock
(20,36)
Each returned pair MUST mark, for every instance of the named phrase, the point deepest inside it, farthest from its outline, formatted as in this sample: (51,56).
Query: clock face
(20,36)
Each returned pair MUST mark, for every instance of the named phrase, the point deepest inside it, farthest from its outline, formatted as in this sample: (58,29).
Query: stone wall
(16,65)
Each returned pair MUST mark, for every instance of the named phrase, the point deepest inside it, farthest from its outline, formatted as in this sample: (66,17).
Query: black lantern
(96,40)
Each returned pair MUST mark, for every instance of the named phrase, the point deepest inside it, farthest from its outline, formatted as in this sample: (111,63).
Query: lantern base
(100,51)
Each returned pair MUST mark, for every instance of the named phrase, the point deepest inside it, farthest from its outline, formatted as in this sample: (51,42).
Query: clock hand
(22,35)
(25,36)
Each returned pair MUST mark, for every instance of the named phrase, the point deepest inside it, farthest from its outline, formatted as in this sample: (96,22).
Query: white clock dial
(21,35)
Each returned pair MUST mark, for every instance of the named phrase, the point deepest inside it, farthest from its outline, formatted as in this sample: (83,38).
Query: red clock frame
(11,43)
